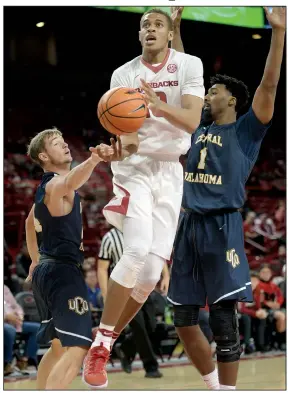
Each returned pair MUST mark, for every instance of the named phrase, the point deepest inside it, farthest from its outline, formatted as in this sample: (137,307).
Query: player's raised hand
(276,17)
(152,100)
(176,15)
(108,153)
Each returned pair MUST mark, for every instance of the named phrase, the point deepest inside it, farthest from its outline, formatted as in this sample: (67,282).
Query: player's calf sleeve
(186,315)
(148,278)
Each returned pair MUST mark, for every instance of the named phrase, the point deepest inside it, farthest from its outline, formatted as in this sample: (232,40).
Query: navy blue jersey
(219,163)
(58,237)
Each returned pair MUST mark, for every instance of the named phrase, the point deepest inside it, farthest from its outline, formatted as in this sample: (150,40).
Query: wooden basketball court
(255,374)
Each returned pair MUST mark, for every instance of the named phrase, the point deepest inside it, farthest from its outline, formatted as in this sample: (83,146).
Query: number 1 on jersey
(203,155)
(162,97)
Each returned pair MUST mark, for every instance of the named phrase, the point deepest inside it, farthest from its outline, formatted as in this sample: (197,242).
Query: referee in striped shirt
(110,252)
(144,322)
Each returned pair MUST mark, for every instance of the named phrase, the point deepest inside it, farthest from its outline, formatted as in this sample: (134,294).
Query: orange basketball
(122,110)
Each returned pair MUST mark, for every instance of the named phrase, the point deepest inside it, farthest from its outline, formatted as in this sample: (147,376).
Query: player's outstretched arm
(264,98)
(31,241)
(187,117)
(176,14)
(125,146)
(60,186)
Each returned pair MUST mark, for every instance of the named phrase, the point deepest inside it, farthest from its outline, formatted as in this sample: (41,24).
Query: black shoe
(153,374)
(125,363)
(32,362)
(249,349)
(265,348)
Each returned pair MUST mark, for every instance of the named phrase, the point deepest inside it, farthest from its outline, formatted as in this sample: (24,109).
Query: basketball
(122,110)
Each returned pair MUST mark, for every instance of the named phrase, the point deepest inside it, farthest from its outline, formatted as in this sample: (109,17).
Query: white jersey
(177,75)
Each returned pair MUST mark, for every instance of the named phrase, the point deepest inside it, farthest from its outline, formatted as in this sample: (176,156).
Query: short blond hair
(37,144)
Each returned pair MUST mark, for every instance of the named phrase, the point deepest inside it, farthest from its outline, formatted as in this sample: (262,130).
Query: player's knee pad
(152,269)
(137,245)
(127,270)
(185,316)
(140,293)
(137,238)
(224,324)
(148,278)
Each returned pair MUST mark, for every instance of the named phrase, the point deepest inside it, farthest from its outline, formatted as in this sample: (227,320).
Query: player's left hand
(176,15)
(31,270)
(109,153)
(152,100)
(277,17)
(164,285)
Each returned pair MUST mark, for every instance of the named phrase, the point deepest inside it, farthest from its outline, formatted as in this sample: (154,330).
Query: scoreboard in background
(236,16)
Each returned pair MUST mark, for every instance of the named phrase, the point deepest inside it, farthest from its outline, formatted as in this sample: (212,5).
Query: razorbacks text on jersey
(177,75)
(219,163)
(58,237)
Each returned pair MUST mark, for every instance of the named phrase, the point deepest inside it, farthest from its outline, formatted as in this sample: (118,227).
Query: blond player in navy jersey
(54,237)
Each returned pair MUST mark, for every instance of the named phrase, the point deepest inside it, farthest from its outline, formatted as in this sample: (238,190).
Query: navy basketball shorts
(209,262)
(61,298)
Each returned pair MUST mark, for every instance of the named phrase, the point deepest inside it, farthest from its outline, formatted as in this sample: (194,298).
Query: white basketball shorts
(148,189)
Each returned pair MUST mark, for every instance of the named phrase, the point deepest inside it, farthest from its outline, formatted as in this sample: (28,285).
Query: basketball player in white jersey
(148,178)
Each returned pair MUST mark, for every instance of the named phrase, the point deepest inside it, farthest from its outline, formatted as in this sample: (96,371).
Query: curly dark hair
(237,88)
(159,11)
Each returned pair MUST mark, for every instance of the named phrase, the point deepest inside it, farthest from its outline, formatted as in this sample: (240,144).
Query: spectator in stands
(14,323)
(7,268)
(282,255)
(9,278)
(280,169)
(23,262)
(253,316)
(94,293)
(277,263)
(280,211)
(89,264)
(271,298)
(265,226)
(248,225)
(282,286)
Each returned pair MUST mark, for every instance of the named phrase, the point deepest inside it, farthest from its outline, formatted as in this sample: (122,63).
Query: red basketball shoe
(94,372)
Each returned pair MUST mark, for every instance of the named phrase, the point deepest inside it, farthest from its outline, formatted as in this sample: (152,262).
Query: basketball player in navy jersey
(209,259)
(57,282)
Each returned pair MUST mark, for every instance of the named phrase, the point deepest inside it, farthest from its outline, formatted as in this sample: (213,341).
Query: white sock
(114,338)
(104,336)
(212,380)
(226,387)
